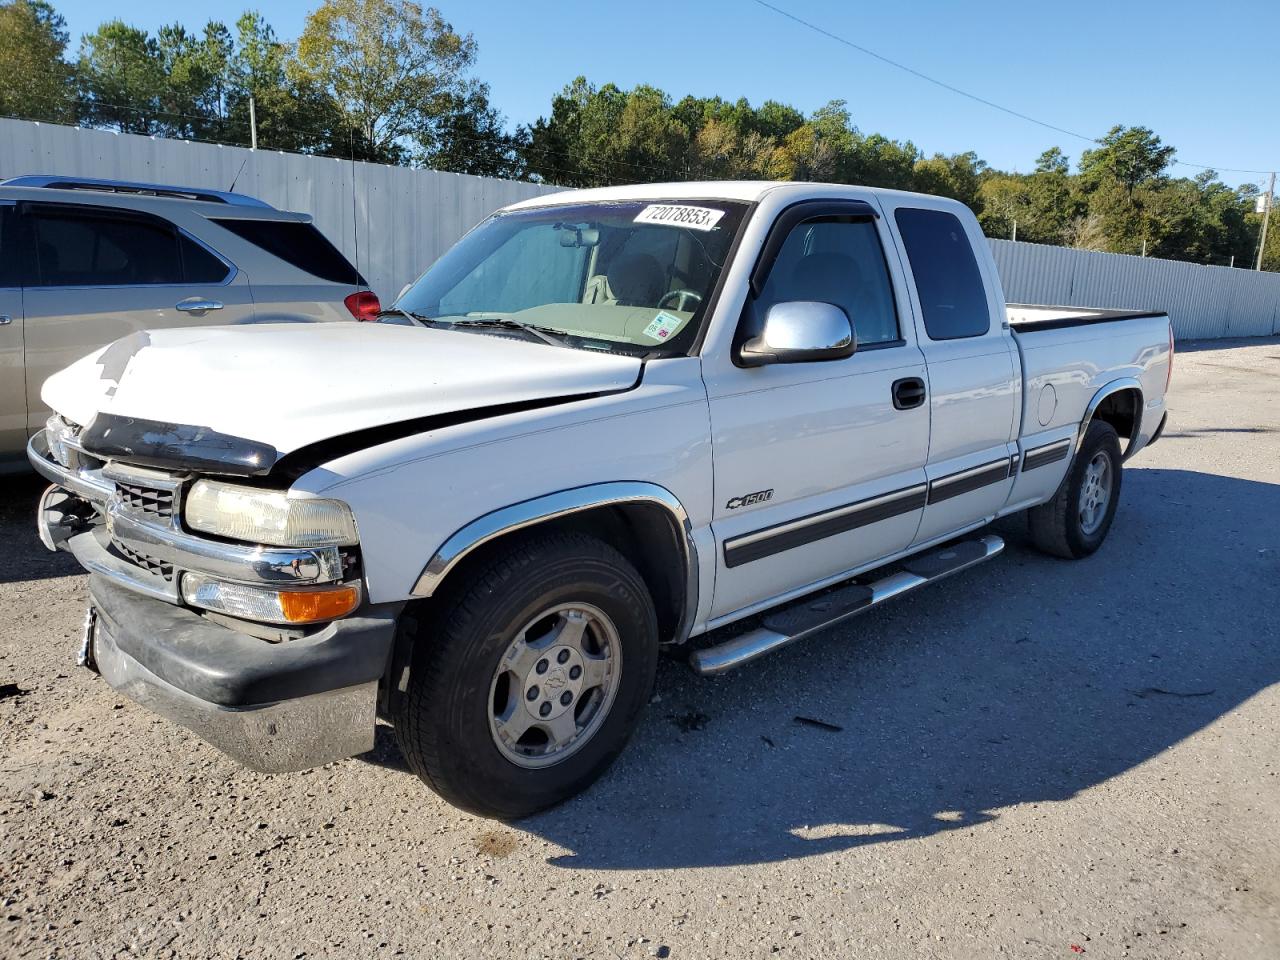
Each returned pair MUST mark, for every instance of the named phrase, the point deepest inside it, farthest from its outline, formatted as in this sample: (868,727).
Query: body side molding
(552,506)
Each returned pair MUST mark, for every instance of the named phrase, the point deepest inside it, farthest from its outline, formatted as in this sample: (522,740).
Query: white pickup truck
(713,418)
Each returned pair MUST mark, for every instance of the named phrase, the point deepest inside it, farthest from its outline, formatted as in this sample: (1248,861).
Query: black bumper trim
(227,668)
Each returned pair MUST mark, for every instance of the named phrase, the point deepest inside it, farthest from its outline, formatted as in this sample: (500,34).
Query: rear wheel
(1076,521)
(527,685)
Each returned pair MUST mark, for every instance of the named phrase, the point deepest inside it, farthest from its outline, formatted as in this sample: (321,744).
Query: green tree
(1128,156)
(468,135)
(199,80)
(292,113)
(121,79)
(389,65)
(1043,204)
(958,176)
(35,80)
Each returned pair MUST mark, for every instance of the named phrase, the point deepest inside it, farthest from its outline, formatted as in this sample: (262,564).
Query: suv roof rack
(141,189)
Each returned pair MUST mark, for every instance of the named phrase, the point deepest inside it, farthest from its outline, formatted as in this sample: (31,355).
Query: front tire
(527,684)
(1076,521)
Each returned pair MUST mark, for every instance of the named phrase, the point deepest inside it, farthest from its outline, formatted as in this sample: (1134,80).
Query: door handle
(197,305)
(908,393)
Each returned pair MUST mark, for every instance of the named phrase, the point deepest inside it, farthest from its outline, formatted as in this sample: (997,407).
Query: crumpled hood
(289,385)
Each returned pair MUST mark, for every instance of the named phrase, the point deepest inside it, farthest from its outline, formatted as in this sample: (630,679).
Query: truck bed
(1069,353)
(1033,317)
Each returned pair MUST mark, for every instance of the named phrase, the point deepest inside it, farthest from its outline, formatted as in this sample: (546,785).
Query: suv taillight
(364,305)
(1168,377)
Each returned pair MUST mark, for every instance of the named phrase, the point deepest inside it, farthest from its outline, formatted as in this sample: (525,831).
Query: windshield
(632,277)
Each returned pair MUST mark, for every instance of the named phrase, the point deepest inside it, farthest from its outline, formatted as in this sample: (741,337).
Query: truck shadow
(1225,343)
(22,555)
(1025,681)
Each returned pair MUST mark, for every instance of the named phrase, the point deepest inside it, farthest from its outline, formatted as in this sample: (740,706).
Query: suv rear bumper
(274,707)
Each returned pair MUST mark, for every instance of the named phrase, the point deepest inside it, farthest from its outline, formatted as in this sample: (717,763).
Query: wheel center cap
(556,689)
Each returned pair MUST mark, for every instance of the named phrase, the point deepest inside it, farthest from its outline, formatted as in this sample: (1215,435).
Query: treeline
(390,81)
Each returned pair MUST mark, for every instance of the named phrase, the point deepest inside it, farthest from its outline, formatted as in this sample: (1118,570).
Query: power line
(965,93)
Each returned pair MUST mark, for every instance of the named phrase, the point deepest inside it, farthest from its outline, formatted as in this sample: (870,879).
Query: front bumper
(274,707)
(273,699)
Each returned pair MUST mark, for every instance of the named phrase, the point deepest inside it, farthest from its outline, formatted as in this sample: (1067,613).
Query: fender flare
(1114,387)
(552,506)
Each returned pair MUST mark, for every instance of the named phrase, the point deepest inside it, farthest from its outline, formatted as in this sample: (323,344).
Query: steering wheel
(682,299)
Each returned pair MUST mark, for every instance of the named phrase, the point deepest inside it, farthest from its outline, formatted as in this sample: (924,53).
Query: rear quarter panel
(1065,369)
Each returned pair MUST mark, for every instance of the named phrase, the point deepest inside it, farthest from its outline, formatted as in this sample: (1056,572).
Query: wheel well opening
(646,534)
(1121,409)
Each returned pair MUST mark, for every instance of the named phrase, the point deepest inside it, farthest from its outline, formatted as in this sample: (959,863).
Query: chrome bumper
(164,541)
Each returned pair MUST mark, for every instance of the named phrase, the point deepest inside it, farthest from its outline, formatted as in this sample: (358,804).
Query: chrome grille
(141,560)
(148,500)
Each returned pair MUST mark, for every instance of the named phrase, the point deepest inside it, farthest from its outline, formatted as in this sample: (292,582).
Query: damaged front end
(268,650)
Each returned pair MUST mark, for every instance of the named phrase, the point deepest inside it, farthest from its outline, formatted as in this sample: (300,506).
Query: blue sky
(1203,76)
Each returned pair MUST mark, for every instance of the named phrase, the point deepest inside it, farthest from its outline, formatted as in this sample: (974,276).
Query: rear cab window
(953,298)
(298,244)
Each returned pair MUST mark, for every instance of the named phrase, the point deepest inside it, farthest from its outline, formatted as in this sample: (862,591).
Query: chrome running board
(809,615)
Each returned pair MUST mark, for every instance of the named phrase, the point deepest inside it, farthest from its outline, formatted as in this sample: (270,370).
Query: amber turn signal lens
(318,604)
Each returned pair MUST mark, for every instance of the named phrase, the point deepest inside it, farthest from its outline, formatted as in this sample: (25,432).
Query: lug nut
(544,709)
(532,694)
(563,657)
(575,672)
(566,698)
(542,666)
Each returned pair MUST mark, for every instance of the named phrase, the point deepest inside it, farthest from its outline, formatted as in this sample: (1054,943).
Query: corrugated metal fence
(395,221)
(1202,302)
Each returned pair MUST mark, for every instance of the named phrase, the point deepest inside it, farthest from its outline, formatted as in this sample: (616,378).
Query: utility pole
(1014,238)
(1266,217)
(253,126)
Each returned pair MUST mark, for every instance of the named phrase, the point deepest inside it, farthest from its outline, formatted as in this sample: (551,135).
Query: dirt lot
(1037,759)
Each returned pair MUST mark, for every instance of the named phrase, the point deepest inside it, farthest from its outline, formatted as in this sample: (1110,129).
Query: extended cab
(605,423)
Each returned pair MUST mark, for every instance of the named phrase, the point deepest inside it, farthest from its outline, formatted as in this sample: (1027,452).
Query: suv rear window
(78,247)
(952,295)
(298,244)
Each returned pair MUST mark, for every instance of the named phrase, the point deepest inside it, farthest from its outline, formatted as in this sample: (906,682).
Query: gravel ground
(1037,759)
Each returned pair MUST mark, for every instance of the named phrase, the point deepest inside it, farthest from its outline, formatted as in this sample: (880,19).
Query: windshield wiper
(416,319)
(546,334)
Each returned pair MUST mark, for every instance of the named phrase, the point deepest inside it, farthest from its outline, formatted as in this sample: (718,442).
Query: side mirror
(799,331)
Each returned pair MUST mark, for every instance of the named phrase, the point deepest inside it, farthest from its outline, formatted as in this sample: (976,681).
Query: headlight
(268,516)
(57,432)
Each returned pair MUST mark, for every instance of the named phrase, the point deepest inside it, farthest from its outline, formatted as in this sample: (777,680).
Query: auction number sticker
(679,215)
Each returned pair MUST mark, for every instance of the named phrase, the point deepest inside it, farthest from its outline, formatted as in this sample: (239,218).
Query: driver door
(819,465)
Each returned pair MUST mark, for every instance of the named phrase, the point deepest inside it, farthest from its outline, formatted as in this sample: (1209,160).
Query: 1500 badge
(748,499)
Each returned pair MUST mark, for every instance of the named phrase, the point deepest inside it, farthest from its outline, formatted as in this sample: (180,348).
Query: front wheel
(531,678)
(1076,521)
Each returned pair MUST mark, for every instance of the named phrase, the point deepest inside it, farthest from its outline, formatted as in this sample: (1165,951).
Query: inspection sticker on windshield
(663,326)
(678,215)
